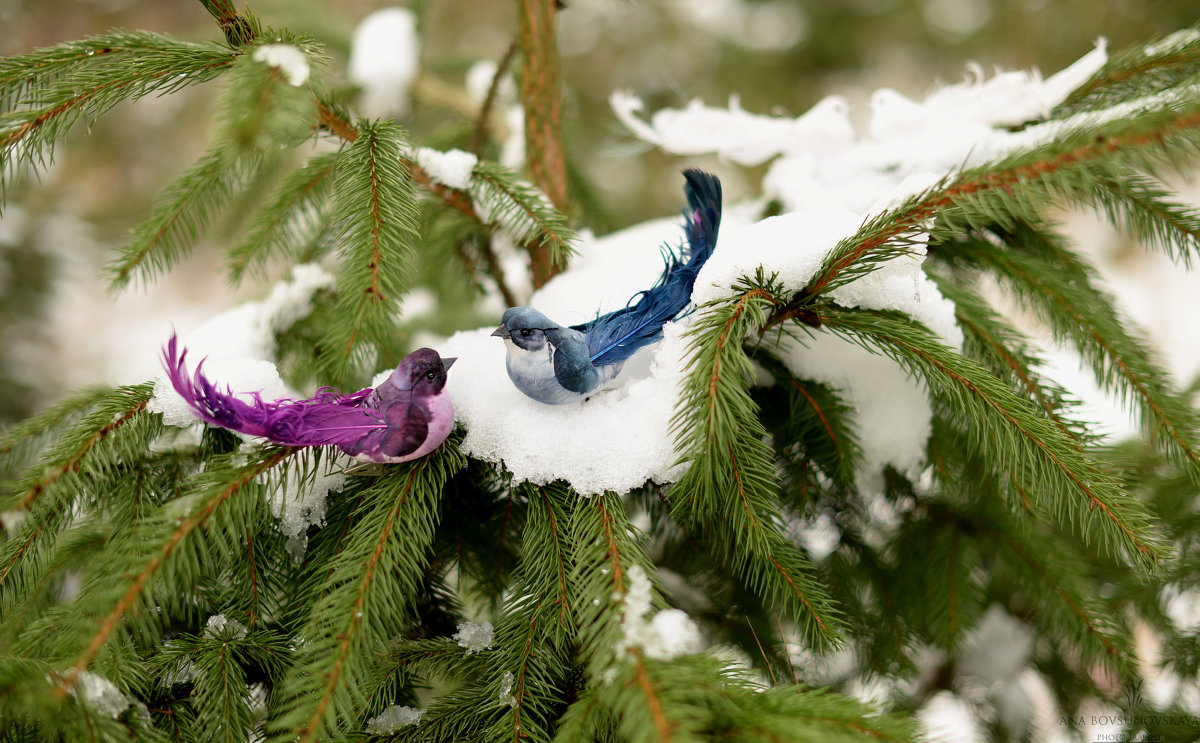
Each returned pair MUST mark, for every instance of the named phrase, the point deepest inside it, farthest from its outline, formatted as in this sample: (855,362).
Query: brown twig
(541,97)
(237,29)
(479,139)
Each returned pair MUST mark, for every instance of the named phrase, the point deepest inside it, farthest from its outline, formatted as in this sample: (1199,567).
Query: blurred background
(60,328)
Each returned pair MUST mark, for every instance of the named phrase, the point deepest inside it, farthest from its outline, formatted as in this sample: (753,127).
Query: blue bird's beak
(501,332)
(447,363)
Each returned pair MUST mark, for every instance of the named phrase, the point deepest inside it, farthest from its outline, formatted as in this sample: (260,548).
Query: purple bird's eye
(430,375)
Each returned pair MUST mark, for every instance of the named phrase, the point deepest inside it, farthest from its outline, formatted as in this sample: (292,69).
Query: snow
(791,245)
(892,417)
(384,61)
(475,637)
(393,718)
(829,180)
(237,345)
(101,694)
(451,168)
(947,718)
(615,441)
(735,134)
(506,685)
(300,503)
(287,59)
(222,627)
(669,634)
(997,648)
(1174,41)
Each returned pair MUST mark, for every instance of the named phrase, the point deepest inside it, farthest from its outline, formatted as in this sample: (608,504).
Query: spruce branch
(729,493)
(239,29)
(17,439)
(335,121)
(545,566)
(180,218)
(1145,208)
(1018,188)
(811,425)
(372,586)
(298,210)
(1012,434)
(603,556)
(480,135)
(1060,286)
(262,111)
(511,695)
(1161,64)
(1005,352)
(1097,631)
(513,205)
(80,451)
(521,211)
(70,84)
(375,209)
(212,497)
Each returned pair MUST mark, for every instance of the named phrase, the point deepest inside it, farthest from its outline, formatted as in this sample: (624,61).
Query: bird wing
(616,336)
(407,427)
(572,368)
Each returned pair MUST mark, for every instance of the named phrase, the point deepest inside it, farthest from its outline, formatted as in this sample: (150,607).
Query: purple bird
(404,418)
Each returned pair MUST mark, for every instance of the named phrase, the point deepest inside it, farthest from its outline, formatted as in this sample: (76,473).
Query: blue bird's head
(525,327)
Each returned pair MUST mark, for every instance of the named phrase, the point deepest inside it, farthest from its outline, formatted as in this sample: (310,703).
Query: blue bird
(554,364)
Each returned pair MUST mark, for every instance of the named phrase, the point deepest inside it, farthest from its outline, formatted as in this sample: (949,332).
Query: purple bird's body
(405,418)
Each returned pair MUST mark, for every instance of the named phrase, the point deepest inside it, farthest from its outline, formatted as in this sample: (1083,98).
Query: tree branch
(541,97)
(335,124)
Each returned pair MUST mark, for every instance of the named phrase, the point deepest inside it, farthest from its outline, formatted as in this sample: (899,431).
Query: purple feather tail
(616,336)
(327,419)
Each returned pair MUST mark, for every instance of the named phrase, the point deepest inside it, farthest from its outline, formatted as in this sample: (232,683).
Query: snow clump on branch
(828,180)
(384,61)
(475,637)
(668,634)
(287,59)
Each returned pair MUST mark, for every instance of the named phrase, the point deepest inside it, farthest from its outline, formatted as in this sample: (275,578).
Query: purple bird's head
(423,372)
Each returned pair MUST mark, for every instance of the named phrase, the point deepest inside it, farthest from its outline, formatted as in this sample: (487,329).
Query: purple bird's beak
(447,363)
(501,332)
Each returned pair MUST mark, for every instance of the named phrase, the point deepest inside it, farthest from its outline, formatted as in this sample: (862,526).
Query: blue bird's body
(557,364)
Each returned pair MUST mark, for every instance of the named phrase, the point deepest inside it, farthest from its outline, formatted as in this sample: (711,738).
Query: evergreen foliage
(148,591)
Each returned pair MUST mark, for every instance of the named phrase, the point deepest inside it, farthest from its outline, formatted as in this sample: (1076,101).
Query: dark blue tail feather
(618,335)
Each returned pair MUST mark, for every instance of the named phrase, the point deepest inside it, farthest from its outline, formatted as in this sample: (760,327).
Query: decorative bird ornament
(403,419)
(555,364)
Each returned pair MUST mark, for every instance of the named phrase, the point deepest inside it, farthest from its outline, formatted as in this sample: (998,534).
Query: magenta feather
(326,419)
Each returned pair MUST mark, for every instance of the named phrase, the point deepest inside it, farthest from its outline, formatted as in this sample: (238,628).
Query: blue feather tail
(616,336)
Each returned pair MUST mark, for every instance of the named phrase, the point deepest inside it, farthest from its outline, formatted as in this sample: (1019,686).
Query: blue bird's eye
(526,332)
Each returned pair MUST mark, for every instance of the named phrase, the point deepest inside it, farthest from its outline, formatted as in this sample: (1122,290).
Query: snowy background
(833,113)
